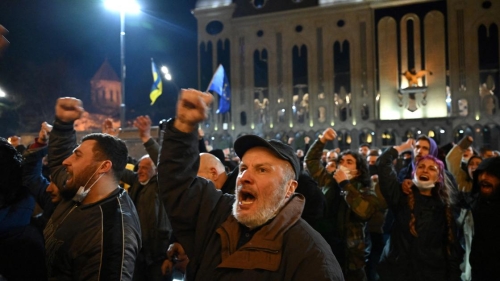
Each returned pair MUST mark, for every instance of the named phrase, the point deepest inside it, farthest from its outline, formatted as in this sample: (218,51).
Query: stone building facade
(378,72)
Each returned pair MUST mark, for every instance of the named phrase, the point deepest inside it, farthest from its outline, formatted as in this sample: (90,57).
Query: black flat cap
(283,151)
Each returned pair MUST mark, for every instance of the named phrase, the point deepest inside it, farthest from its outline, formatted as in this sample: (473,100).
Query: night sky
(72,38)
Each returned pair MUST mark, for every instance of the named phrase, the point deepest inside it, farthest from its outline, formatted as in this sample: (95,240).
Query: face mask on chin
(423,184)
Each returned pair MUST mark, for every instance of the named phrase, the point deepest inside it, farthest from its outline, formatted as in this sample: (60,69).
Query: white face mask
(466,159)
(346,171)
(423,184)
(82,193)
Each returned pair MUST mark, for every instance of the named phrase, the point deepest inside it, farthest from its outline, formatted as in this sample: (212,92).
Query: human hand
(107,128)
(192,108)
(177,254)
(68,109)
(43,135)
(166,267)
(14,140)
(406,186)
(328,135)
(143,124)
(47,127)
(340,176)
(408,145)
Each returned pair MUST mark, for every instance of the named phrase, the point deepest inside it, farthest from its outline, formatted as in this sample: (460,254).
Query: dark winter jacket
(484,257)
(406,257)
(201,219)
(155,227)
(97,241)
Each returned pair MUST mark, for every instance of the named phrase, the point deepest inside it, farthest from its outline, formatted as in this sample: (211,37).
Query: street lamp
(167,74)
(130,7)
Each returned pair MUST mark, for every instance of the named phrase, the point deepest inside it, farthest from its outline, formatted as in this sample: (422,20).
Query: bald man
(212,169)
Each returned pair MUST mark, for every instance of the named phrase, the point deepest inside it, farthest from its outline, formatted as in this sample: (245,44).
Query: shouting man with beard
(256,234)
(94,232)
(484,258)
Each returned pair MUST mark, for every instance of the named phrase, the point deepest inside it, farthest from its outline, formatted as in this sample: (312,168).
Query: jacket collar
(265,248)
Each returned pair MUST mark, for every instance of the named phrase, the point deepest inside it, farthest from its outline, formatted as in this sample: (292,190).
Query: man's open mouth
(246,198)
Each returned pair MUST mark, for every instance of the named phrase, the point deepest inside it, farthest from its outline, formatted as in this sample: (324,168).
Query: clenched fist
(192,108)
(69,109)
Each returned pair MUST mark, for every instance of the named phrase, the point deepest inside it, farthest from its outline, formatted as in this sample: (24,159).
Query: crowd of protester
(71,210)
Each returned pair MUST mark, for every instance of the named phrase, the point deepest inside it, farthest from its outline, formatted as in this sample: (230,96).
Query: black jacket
(97,241)
(406,257)
(155,227)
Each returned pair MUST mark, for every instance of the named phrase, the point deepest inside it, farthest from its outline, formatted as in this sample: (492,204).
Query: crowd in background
(411,212)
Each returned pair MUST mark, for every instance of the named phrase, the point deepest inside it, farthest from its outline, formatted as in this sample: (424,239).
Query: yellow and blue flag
(220,85)
(157,87)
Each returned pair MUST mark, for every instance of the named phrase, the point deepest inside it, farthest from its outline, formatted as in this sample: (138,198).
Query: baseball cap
(283,151)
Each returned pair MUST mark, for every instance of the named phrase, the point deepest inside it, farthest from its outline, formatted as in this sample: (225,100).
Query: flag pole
(212,80)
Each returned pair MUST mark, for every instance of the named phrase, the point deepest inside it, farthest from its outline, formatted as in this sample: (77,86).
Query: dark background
(56,46)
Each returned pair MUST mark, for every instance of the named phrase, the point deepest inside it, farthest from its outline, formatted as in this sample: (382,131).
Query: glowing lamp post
(124,7)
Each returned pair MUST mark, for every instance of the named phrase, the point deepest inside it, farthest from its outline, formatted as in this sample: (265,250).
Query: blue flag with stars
(220,85)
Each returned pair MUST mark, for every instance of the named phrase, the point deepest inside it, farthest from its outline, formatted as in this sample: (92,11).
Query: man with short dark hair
(364,149)
(94,232)
(256,234)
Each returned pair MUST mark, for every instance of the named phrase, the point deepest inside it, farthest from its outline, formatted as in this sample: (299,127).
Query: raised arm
(313,158)
(63,137)
(453,164)
(388,181)
(32,171)
(188,199)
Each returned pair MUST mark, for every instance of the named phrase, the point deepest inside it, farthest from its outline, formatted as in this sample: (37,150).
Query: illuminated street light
(123,7)
(2,93)
(168,76)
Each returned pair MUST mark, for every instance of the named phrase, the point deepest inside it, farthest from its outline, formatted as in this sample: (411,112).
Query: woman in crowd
(422,245)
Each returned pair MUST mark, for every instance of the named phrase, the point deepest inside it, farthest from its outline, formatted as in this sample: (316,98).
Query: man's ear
(106,166)
(214,173)
(292,185)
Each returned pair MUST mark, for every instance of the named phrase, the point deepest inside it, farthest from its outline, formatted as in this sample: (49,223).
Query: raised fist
(192,108)
(69,109)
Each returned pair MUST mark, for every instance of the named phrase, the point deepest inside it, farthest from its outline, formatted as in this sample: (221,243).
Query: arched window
(388,138)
